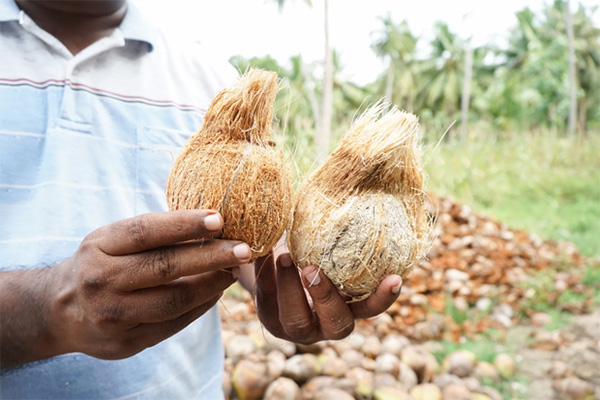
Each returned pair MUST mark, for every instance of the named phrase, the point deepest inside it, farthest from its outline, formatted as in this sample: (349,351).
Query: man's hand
(129,286)
(288,313)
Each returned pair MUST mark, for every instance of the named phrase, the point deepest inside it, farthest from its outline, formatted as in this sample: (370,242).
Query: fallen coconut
(301,367)
(332,393)
(407,376)
(456,391)
(333,366)
(283,389)
(460,363)
(250,379)
(505,365)
(387,363)
(361,216)
(316,384)
(487,371)
(391,393)
(426,391)
(230,166)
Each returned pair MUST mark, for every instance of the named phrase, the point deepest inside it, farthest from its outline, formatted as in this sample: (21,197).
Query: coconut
(361,216)
(230,165)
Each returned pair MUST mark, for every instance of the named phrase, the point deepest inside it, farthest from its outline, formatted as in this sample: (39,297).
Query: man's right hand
(129,286)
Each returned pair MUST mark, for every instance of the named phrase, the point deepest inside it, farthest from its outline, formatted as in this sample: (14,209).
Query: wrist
(27,319)
(58,297)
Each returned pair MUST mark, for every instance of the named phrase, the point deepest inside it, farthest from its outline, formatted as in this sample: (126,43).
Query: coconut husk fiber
(230,165)
(361,216)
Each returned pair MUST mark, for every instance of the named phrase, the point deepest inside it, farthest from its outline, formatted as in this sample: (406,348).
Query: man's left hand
(289,313)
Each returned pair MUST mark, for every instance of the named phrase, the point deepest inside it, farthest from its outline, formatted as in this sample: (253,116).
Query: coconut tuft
(243,111)
(230,166)
(361,216)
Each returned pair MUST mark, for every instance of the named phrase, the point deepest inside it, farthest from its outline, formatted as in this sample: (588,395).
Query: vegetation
(514,159)
(545,183)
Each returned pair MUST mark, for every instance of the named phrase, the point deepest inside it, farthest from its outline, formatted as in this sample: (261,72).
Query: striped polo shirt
(87,140)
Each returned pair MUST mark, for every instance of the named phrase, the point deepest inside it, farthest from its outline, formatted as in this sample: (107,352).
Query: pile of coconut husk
(260,366)
(480,274)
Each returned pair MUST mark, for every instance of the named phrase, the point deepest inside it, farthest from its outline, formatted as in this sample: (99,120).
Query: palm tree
(539,63)
(587,65)
(397,44)
(444,71)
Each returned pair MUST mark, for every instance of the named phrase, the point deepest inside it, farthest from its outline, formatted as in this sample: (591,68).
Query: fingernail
(312,277)
(396,287)
(285,260)
(213,222)
(242,252)
(235,271)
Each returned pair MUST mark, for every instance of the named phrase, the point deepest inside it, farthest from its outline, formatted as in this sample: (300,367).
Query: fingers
(296,316)
(381,300)
(153,230)
(162,265)
(336,320)
(147,335)
(172,300)
(265,294)
(324,314)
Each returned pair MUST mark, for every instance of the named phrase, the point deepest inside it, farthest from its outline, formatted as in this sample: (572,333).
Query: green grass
(543,183)
(591,277)
(484,349)
(558,319)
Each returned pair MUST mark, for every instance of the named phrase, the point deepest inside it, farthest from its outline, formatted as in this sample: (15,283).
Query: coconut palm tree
(538,61)
(443,72)
(587,64)
(397,44)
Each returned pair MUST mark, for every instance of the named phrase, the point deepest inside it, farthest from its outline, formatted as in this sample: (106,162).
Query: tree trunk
(572,82)
(466,92)
(324,125)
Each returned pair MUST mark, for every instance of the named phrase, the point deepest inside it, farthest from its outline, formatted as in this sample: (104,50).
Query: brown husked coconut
(230,165)
(361,216)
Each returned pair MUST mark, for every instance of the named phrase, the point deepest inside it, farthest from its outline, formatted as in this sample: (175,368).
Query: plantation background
(504,306)
(508,152)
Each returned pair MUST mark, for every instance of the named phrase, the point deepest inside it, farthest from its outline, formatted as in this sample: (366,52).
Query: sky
(256,28)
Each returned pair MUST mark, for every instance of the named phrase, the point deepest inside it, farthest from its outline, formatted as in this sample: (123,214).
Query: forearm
(25,316)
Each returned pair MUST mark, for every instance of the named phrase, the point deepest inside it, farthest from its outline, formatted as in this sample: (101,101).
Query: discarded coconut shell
(230,165)
(361,216)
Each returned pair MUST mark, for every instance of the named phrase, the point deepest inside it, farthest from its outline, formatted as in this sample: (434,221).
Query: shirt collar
(134,26)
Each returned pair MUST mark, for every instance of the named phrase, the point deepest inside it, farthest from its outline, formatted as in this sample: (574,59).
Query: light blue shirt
(87,140)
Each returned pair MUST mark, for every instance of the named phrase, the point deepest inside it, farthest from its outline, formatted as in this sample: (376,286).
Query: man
(102,295)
